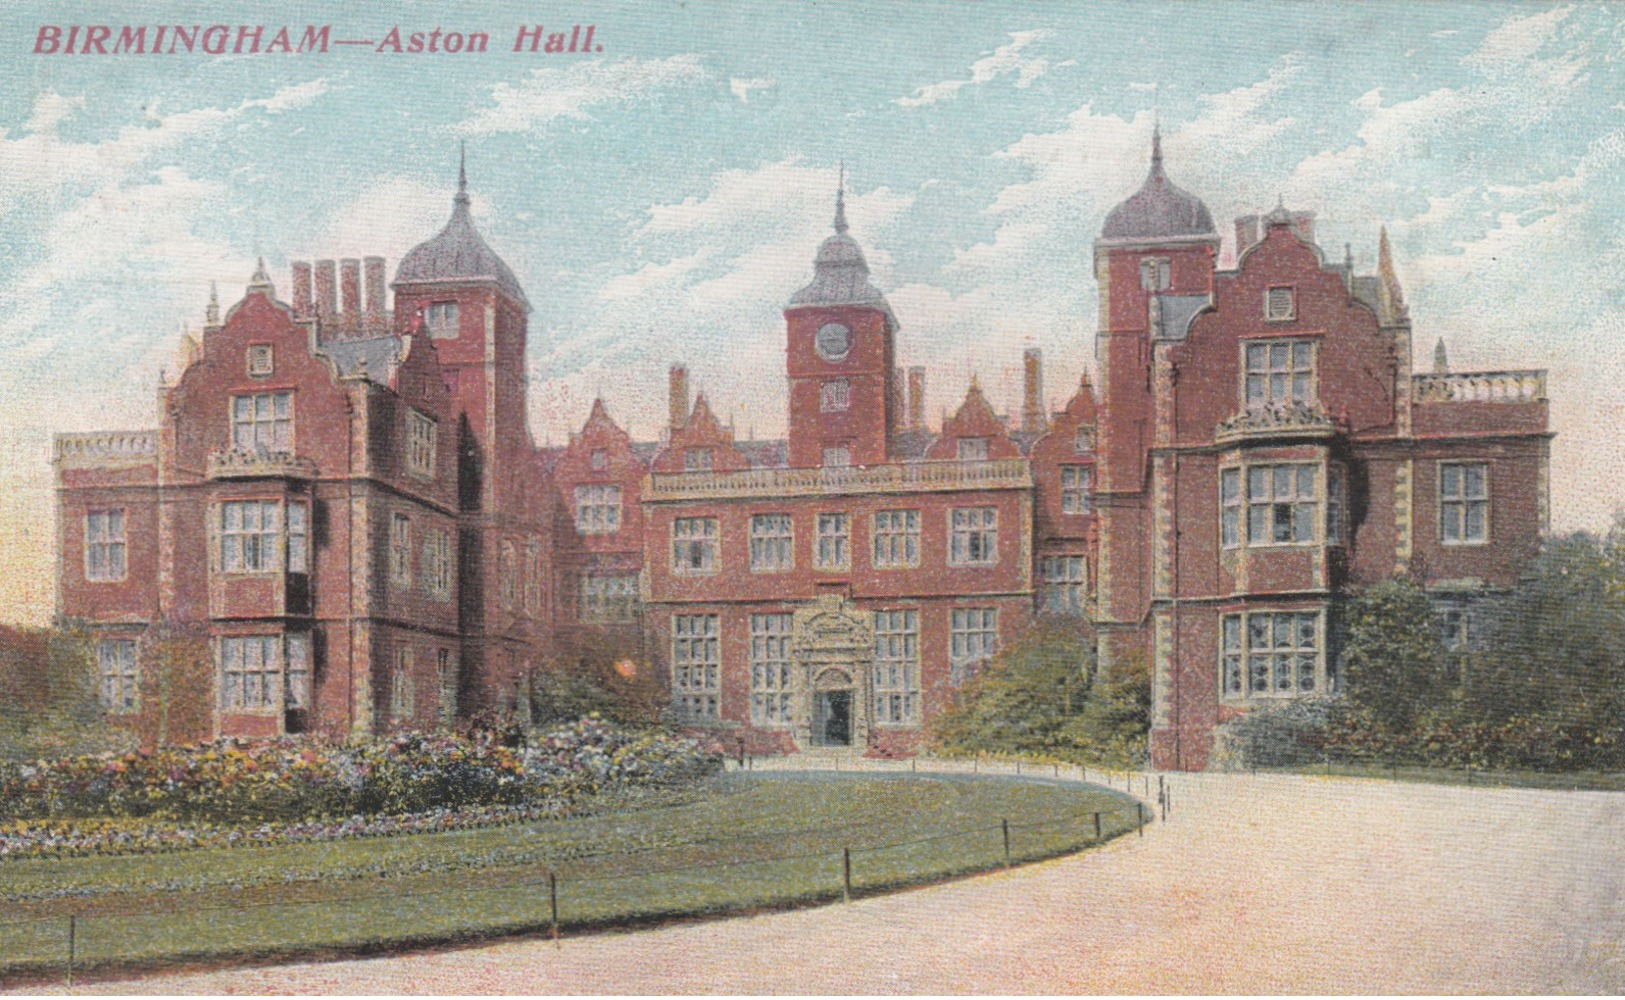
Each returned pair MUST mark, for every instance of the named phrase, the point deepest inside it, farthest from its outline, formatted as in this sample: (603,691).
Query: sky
(661,197)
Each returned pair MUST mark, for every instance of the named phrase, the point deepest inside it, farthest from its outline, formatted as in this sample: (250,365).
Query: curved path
(1271,884)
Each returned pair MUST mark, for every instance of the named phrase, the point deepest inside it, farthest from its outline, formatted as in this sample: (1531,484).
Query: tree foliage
(1393,660)
(1042,696)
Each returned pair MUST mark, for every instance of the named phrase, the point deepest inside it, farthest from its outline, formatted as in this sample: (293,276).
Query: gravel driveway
(1269,884)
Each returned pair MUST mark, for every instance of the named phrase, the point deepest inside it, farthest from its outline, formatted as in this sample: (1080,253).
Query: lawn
(740,841)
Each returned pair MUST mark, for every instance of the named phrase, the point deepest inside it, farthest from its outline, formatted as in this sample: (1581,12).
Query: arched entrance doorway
(833,645)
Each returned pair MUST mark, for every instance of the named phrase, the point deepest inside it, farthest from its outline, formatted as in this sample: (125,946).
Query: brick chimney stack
(916,398)
(679,397)
(376,304)
(326,302)
(1032,398)
(350,286)
(301,288)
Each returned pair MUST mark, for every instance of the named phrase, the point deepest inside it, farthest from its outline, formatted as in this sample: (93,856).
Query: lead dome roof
(1159,210)
(459,253)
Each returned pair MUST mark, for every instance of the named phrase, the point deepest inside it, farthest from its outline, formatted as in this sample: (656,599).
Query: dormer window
(261,362)
(973,449)
(600,460)
(441,319)
(1084,442)
(696,459)
(1280,303)
(1279,372)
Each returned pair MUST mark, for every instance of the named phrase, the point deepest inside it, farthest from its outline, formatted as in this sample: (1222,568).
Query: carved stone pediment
(1271,420)
(831,631)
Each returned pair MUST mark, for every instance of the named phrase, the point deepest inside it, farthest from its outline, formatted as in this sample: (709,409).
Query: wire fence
(589,890)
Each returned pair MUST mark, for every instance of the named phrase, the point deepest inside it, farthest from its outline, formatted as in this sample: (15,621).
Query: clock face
(833,341)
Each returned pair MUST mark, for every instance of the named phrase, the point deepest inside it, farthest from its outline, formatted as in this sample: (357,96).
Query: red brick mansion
(344,497)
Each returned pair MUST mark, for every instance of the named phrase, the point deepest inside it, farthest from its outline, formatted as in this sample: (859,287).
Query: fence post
(1018,766)
(73,935)
(1057,770)
(846,874)
(553,903)
(1139,815)
(911,762)
(1005,824)
(1097,826)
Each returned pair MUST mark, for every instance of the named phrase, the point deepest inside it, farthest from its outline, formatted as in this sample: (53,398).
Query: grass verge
(747,841)
(1597,781)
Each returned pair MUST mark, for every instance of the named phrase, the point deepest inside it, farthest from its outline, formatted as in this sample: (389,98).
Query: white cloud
(1235,120)
(1004,60)
(741,88)
(40,161)
(705,283)
(550,93)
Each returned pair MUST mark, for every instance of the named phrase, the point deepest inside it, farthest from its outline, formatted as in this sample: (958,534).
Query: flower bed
(225,793)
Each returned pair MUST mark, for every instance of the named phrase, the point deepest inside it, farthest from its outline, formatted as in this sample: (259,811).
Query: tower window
(441,319)
(973,449)
(421,434)
(1076,481)
(1155,274)
(837,456)
(835,395)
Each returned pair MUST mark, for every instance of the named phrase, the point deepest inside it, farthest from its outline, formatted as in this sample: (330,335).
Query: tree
(1393,660)
(1043,696)
(1557,650)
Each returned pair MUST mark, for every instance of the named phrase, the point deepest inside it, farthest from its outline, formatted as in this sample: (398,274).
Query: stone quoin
(343,497)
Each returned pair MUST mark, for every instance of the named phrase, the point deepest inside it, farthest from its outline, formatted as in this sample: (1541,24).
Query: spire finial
(261,281)
(1441,360)
(1156,145)
(462,174)
(211,314)
(840,200)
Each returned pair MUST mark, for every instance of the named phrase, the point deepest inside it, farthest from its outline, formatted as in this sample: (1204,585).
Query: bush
(291,779)
(1043,697)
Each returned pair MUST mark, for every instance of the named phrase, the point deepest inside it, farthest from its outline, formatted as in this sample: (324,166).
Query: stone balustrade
(105,449)
(1480,387)
(908,477)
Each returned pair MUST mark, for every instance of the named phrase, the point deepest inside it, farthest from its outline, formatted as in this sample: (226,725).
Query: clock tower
(842,360)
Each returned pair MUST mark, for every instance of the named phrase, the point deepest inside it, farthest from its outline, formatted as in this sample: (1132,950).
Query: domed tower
(841,359)
(1154,264)
(456,289)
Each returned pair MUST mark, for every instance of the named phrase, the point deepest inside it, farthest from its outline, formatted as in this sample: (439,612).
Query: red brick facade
(346,501)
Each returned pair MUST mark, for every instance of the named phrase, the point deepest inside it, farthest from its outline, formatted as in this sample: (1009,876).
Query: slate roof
(378,353)
(458,253)
(840,273)
(1159,210)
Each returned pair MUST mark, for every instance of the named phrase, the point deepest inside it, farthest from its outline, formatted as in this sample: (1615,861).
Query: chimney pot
(350,285)
(301,288)
(326,290)
(916,398)
(679,397)
(375,286)
(1032,407)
